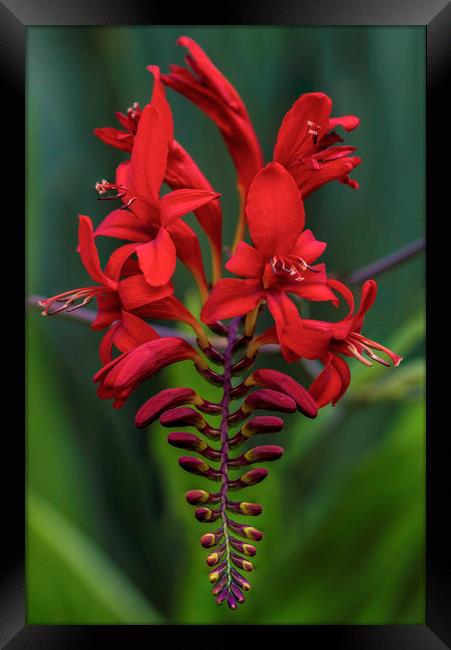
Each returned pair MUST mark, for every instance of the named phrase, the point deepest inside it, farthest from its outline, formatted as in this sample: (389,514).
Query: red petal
(168,308)
(157,259)
(106,344)
(149,155)
(294,139)
(231,297)
(188,251)
(180,202)
(348,122)
(369,293)
(332,382)
(308,247)
(89,254)
(115,138)
(310,179)
(305,342)
(108,310)
(183,172)
(117,260)
(274,210)
(246,261)
(133,332)
(134,292)
(124,224)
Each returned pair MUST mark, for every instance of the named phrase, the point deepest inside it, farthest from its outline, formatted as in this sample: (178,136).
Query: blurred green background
(110,536)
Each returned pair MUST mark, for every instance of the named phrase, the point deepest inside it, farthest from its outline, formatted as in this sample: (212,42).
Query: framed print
(225,233)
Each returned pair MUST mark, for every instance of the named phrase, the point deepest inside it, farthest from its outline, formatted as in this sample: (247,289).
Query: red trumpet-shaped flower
(280,260)
(305,144)
(148,219)
(181,170)
(314,339)
(127,330)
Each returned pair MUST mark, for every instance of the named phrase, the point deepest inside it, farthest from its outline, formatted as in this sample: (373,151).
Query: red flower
(313,339)
(149,220)
(111,293)
(181,171)
(207,87)
(305,144)
(280,262)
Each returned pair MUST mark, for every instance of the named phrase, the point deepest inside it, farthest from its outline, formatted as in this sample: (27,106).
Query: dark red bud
(211,539)
(199,467)
(182,416)
(274,379)
(240,562)
(219,586)
(165,399)
(194,497)
(263,453)
(231,601)
(270,400)
(242,582)
(237,593)
(206,515)
(242,547)
(262,424)
(211,376)
(183,440)
(252,477)
(246,531)
(222,596)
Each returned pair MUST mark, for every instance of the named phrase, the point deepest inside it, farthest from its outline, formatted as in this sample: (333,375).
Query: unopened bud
(241,562)
(274,379)
(194,497)
(211,539)
(206,515)
(246,531)
(242,582)
(252,477)
(242,547)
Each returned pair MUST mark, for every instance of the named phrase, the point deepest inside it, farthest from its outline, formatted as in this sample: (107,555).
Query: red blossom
(280,262)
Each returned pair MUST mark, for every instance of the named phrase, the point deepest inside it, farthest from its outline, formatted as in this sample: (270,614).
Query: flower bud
(242,547)
(211,539)
(242,582)
(273,379)
(252,477)
(194,497)
(187,417)
(206,515)
(165,399)
(263,399)
(246,531)
(222,596)
(215,557)
(264,453)
(245,508)
(262,424)
(219,586)
(237,593)
(199,467)
(231,601)
(240,562)
(184,440)
(214,575)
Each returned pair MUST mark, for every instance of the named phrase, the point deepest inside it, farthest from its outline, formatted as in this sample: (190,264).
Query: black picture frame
(435,17)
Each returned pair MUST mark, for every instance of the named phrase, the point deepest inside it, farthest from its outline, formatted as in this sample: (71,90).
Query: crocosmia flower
(277,270)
